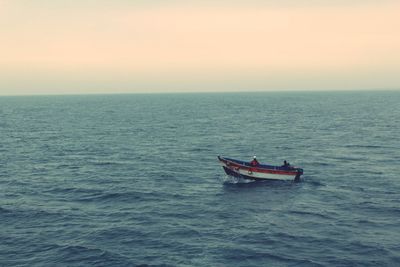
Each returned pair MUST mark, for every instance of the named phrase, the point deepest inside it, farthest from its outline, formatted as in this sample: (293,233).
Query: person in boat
(254,162)
(286,164)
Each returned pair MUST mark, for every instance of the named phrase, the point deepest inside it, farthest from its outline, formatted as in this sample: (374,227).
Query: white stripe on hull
(261,175)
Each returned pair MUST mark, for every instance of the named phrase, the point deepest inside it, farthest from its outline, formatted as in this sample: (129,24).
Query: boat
(245,170)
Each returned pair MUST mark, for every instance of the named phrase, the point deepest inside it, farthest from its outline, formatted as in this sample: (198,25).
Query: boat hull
(244,170)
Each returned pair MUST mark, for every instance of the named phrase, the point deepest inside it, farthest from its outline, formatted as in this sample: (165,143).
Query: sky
(121,46)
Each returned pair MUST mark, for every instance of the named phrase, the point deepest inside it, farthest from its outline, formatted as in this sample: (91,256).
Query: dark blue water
(127,180)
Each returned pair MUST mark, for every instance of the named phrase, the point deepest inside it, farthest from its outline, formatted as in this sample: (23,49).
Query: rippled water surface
(127,180)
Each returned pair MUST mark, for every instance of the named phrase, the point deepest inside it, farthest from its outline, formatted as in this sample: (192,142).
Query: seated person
(286,164)
(254,162)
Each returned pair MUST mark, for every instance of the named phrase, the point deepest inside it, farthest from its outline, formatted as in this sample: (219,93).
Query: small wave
(236,254)
(322,164)
(365,146)
(200,149)
(109,196)
(313,214)
(106,163)
(80,254)
(32,213)
(344,158)
(366,221)
(185,232)
(112,233)
(3,210)
(315,183)
(73,190)
(123,196)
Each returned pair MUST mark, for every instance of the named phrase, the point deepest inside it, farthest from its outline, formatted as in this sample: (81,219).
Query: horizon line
(208,92)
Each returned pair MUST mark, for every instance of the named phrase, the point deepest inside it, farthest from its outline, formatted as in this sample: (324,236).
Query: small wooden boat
(246,170)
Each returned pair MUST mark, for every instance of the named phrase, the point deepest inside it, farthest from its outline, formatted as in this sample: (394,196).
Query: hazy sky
(54,46)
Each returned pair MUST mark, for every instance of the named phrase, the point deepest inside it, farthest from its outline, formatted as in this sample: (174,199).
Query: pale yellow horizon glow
(109,48)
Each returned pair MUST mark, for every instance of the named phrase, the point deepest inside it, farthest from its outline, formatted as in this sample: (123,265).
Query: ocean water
(133,180)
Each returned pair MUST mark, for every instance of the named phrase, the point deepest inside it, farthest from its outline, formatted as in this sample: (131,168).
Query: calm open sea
(127,180)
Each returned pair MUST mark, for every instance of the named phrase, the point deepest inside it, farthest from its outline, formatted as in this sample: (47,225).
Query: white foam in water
(226,179)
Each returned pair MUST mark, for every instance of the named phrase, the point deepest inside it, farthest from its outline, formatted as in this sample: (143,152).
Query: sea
(134,180)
